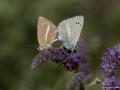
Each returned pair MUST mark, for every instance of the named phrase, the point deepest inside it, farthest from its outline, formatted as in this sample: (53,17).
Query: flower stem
(82,86)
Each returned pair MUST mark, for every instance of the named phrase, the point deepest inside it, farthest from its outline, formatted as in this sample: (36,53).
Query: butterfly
(46,33)
(68,31)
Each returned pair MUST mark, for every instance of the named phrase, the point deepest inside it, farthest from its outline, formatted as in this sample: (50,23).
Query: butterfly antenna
(32,45)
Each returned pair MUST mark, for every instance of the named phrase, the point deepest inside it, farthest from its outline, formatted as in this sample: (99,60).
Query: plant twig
(82,86)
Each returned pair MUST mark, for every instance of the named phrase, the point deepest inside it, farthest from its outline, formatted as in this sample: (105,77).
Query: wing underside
(69,31)
(46,32)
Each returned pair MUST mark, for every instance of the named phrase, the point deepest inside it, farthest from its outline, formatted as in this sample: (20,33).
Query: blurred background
(18,39)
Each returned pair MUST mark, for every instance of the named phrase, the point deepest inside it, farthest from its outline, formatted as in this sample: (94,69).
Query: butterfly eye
(38,48)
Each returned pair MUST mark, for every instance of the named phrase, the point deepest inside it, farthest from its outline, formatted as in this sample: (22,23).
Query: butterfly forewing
(46,32)
(76,24)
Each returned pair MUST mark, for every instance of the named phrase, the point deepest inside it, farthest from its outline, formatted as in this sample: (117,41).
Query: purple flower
(111,61)
(76,60)
(111,83)
(78,79)
(67,59)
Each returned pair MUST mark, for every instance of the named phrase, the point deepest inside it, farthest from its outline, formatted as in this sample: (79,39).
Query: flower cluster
(76,60)
(110,68)
(111,83)
(78,79)
(111,61)
(69,60)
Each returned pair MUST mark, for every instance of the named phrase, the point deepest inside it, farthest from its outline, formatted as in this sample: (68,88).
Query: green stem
(82,86)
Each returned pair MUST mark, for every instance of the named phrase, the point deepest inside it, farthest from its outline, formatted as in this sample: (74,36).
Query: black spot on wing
(78,23)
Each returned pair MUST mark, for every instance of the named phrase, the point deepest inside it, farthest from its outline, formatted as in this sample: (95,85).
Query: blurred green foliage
(18,40)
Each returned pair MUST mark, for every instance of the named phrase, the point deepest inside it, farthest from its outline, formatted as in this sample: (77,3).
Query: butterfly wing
(69,31)
(46,32)
(63,33)
(76,28)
